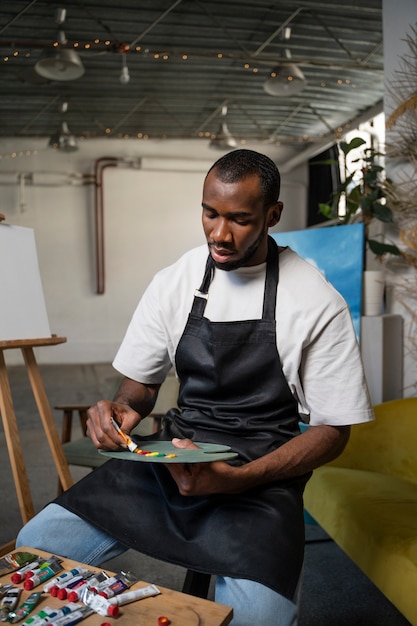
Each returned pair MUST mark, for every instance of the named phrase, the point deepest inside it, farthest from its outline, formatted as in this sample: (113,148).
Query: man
(258,338)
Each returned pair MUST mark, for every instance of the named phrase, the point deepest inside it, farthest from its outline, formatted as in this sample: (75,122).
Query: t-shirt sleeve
(144,352)
(333,378)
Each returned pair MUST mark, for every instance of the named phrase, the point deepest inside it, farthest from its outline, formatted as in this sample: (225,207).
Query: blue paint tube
(63,579)
(71,618)
(25,608)
(48,615)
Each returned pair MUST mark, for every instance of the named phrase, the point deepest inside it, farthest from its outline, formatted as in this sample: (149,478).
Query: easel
(11,430)
(10,424)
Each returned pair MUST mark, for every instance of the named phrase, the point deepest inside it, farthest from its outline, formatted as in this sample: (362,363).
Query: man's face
(235,221)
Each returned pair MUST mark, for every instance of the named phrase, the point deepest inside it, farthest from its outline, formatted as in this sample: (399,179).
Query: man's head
(240,203)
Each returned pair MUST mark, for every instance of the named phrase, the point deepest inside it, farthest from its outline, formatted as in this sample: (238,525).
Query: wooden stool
(68,410)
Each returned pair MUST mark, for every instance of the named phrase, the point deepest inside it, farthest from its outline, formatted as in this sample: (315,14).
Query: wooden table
(180,608)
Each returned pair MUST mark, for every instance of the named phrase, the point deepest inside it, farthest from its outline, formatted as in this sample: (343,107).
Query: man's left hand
(201,479)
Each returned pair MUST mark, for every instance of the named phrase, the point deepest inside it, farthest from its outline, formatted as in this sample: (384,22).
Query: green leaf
(382,212)
(380,249)
(326,210)
(356,142)
(354,199)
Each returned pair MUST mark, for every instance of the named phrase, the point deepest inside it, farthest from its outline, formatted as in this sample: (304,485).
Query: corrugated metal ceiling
(187,61)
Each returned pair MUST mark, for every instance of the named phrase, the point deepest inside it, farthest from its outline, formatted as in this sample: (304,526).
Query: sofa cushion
(387,444)
(373,517)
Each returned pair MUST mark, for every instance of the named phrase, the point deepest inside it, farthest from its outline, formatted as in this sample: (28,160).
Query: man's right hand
(100,428)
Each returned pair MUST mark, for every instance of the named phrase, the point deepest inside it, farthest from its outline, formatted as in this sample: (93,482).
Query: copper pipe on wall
(99,167)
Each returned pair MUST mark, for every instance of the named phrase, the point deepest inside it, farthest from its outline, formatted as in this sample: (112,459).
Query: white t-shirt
(315,336)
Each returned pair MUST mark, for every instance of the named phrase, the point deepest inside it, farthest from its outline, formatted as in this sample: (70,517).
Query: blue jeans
(59,531)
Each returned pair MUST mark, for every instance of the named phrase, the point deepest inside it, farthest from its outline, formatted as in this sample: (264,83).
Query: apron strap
(201,295)
(271,284)
(271,281)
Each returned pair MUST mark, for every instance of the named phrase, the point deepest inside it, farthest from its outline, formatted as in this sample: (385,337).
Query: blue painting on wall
(337,251)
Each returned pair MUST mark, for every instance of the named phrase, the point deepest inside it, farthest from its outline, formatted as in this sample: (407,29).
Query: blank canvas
(23,312)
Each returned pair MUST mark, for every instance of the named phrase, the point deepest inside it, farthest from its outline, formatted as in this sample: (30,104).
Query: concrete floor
(334,591)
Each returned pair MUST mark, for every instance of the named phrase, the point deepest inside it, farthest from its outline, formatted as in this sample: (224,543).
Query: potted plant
(362,195)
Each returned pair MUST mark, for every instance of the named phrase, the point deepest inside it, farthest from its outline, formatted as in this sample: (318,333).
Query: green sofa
(366,500)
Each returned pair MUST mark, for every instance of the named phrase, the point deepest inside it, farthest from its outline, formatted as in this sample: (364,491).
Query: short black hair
(241,164)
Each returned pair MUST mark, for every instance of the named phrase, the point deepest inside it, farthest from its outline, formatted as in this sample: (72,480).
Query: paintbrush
(130,444)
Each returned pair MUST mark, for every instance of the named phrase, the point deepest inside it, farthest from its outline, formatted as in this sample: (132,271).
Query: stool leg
(196,584)
(83,420)
(66,425)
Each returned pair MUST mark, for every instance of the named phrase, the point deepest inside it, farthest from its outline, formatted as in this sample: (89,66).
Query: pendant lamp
(61,64)
(285,80)
(64,140)
(223,139)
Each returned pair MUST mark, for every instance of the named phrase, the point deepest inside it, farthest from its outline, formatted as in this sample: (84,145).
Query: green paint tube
(14,561)
(25,608)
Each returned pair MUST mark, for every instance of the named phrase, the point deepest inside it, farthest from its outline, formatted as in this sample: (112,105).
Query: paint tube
(38,566)
(25,608)
(135,594)
(9,603)
(14,561)
(36,620)
(39,619)
(116,584)
(71,618)
(99,604)
(92,583)
(4,589)
(49,615)
(20,574)
(45,573)
(63,592)
(64,579)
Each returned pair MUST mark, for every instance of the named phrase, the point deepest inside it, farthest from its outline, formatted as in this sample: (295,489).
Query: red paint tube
(20,574)
(43,574)
(92,583)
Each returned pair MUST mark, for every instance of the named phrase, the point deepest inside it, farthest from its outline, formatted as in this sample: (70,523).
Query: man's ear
(274,214)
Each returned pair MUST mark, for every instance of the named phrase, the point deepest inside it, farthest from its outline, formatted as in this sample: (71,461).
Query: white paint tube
(135,594)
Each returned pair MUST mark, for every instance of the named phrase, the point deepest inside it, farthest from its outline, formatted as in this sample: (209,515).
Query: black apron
(232,391)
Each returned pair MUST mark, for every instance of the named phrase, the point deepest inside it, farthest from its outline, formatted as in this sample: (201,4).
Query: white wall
(152,215)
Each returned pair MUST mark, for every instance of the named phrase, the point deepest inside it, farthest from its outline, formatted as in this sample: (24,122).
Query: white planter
(373,292)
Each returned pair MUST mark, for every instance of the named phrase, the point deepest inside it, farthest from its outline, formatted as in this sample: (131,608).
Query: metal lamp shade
(60,65)
(223,139)
(285,80)
(64,140)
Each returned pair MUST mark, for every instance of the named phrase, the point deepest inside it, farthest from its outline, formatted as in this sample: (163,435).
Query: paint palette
(164,451)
